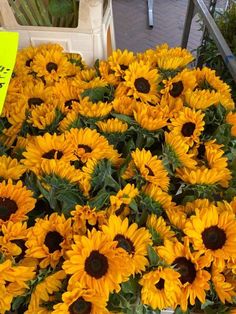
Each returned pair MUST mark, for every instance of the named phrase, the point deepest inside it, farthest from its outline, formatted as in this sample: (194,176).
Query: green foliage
(60,8)
(208,52)
(97,94)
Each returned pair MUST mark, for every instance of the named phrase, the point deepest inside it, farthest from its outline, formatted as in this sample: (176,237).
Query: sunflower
(61,170)
(43,116)
(194,279)
(200,99)
(131,239)
(49,239)
(10,168)
(150,168)
(120,202)
(34,94)
(149,118)
(88,170)
(47,147)
(172,58)
(212,166)
(15,202)
(80,300)
(93,110)
(207,79)
(177,86)
(23,65)
(177,153)
(142,81)
(95,262)
(51,65)
(12,241)
(119,61)
(112,126)
(89,144)
(70,121)
(45,292)
(67,94)
(161,199)
(13,283)
(77,60)
(85,218)
(5,299)
(160,288)
(223,287)
(213,233)
(107,74)
(124,105)
(188,124)
(177,216)
(231,119)
(159,229)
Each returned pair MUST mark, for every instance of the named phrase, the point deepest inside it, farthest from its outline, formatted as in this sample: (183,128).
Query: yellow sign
(8,51)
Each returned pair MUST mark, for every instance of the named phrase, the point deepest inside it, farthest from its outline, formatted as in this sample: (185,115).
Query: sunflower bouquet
(118,185)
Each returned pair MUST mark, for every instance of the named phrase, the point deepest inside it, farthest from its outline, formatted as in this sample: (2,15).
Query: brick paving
(131,24)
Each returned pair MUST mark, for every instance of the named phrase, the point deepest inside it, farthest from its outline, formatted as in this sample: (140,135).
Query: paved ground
(131,24)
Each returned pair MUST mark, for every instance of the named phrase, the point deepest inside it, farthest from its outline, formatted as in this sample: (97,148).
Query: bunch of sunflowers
(118,185)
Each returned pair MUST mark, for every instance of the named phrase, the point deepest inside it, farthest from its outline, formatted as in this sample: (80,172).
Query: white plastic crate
(93,38)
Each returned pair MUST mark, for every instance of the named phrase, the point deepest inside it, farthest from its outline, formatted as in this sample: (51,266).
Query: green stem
(28,13)
(37,14)
(18,14)
(44,13)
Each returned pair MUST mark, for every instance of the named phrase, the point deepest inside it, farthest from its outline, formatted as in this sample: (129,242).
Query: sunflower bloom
(80,298)
(142,81)
(213,233)
(49,239)
(15,202)
(150,168)
(44,292)
(160,288)
(10,168)
(194,279)
(188,124)
(132,239)
(97,263)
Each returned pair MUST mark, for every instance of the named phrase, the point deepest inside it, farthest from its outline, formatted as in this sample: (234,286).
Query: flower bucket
(93,37)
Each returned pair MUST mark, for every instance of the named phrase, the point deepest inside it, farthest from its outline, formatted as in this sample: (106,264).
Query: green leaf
(152,255)
(124,118)
(179,311)
(207,303)
(60,8)
(99,200)
(97,94)
(17,302)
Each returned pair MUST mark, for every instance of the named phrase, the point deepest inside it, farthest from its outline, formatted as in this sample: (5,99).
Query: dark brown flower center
(177,89)
(51,66)
(21,244)
(86,148)
(96,265)
(160,285)
(150,172)
(78,164)
(35,101)
(124,243)
(53,240)
(53,154)
(68,103)
(120,210)
(90,227)
(188,129)
(201,151)
(123,67)
(80,306)
(7,207)
(213,238)
(142,85)
(186,269)
(28,62)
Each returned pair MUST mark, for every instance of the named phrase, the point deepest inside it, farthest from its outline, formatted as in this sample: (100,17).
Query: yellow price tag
(8,51)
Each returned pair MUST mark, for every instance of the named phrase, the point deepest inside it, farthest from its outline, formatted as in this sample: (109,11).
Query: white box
(94,38)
